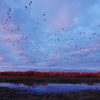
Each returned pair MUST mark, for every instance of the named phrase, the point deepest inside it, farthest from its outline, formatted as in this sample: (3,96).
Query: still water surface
(51,87)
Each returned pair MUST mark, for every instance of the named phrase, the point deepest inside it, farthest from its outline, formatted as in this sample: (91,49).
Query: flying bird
(43,14)
(30,1)
(25,6)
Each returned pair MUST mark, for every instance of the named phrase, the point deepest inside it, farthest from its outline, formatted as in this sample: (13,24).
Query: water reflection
(51,87)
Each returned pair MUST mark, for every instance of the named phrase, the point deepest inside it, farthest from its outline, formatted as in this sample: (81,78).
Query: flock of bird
(61,47)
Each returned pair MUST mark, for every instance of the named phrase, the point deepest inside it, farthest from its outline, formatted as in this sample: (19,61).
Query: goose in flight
(25,6)
(30,1)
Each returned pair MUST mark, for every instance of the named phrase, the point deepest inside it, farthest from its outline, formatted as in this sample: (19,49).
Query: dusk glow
(50,35)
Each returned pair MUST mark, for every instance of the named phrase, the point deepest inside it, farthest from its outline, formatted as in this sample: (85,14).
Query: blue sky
(50,35)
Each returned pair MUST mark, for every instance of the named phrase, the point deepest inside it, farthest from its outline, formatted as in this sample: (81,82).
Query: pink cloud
(9,34)
(12,36)
(1,58)
(62,20)
(53,57)
(83,51)
(64,16)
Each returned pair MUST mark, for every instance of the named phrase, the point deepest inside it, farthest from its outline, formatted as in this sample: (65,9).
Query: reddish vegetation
(51,74)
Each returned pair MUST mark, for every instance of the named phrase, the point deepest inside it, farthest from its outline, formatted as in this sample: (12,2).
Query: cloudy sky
(50,35)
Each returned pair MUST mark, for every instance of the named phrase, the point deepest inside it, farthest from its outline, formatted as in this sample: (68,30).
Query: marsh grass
(12,94)
(73,80)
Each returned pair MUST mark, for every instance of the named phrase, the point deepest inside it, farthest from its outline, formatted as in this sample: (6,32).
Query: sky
(50,35)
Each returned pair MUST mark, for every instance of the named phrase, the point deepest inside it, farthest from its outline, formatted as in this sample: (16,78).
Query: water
(51,87)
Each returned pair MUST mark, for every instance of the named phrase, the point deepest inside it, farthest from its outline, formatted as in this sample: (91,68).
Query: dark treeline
(51,74)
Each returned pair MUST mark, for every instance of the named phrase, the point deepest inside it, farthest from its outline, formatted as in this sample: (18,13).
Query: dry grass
(11,79)
(11,94)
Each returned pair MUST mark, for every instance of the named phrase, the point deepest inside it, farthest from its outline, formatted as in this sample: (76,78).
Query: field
(13,94)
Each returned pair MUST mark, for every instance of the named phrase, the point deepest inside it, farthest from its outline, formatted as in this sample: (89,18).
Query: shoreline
(12,94)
